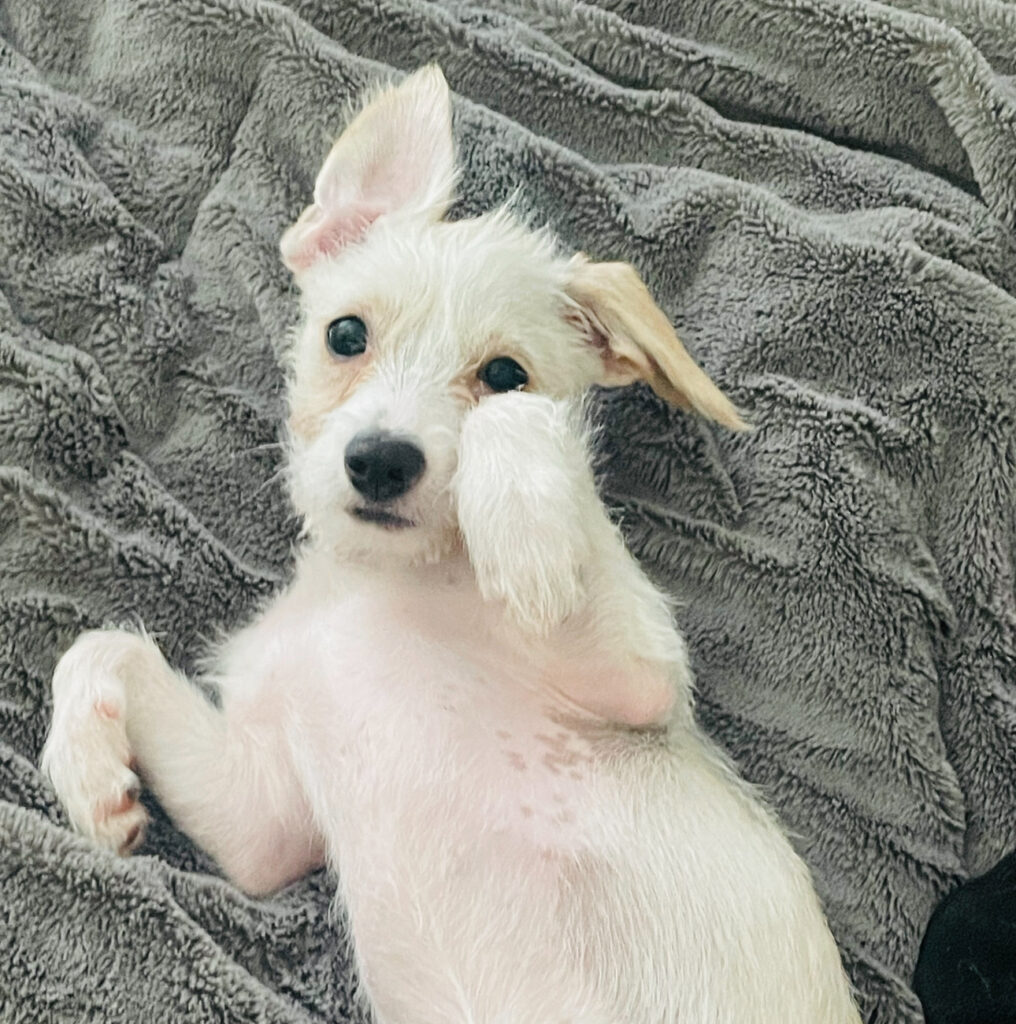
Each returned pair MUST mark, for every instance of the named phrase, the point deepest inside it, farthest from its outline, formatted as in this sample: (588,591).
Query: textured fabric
(821,194)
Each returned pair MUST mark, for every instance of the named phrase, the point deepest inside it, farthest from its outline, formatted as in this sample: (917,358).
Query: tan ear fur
(639,342)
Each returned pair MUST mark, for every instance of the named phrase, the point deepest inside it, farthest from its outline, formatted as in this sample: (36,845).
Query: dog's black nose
(382,467)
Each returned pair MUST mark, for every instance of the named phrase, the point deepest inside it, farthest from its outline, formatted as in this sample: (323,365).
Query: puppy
(470,701)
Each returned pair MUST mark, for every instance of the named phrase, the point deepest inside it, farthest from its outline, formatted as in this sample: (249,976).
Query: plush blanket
(821,194)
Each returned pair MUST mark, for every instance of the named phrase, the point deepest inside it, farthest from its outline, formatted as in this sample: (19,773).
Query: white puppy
(471,702)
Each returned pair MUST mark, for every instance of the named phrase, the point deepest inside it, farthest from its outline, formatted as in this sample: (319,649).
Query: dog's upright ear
(613,308)
(396,156)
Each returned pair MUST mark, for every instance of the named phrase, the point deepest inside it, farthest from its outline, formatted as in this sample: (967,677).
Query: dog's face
(410,322)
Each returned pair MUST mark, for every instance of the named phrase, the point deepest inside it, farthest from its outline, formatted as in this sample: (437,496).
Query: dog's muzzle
(383,467)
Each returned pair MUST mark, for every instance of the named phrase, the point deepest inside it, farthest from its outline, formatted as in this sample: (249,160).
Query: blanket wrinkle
(820,195)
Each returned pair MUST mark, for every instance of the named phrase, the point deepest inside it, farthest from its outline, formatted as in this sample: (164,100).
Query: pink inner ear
(583,322)
(320,232)
(616,370)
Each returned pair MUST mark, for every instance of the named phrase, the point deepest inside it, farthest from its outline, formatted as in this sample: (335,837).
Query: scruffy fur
(480,716)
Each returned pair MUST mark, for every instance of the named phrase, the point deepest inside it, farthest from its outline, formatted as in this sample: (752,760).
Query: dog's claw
(133,840)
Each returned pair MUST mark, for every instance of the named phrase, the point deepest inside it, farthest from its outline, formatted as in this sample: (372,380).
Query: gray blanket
(821,194)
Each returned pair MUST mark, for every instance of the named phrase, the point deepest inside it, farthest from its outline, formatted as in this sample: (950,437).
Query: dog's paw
(87,756)
(96,786)
(525,496)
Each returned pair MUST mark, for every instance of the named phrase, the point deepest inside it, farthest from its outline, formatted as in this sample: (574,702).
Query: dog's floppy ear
(397,155)
(637,342)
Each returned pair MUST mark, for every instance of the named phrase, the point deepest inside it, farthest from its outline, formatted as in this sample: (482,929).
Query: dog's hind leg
(120,712)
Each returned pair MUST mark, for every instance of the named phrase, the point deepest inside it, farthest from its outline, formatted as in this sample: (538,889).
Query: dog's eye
(504,374)
(346,336)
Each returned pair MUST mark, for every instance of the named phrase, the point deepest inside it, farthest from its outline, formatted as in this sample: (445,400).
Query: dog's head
(411,321)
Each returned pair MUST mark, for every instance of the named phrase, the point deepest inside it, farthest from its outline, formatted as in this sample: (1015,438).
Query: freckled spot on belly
(503,734)
(516,760)
(566,759)
(562,748)
(564,817)
(576,775)
(526,810)
(556,742)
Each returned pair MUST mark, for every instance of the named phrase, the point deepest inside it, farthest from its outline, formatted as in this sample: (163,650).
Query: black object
(382,467)
(966,970)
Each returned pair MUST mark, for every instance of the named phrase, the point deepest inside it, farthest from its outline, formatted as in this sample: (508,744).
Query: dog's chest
(419,730)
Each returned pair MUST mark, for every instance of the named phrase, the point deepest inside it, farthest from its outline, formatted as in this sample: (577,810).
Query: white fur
(483,721)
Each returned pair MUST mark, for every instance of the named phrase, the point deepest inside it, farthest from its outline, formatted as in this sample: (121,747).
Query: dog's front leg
(120,711)
(522,487)
(540,540)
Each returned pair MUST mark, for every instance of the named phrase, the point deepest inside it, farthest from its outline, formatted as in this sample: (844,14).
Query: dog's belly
(502,865)
(454,803)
